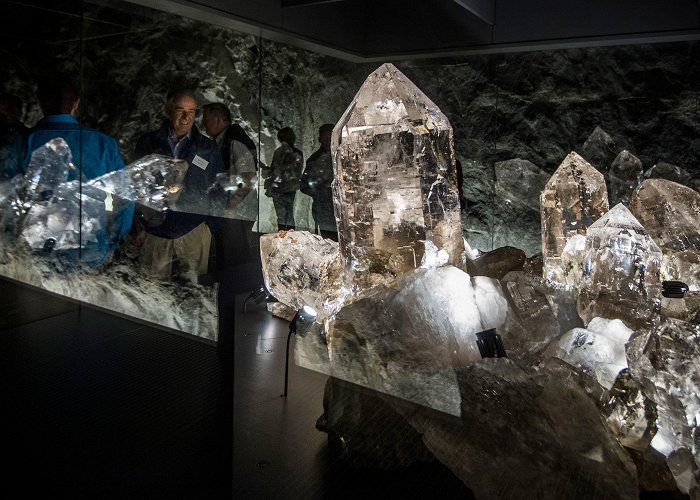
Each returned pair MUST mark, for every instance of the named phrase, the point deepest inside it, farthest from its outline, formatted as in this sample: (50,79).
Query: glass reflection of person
(183,236)
(316,182)
(284,172)
(94,154)
(235,232)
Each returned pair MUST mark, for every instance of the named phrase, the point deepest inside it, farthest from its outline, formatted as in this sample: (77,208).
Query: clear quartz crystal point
(395,180)
(621,270)
(573,199)
(670,212)
(49,167)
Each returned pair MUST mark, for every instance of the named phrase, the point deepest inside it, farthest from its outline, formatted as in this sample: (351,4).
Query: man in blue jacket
(184,235)
(94,154)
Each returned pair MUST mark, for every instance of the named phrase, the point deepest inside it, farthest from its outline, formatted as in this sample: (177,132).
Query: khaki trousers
(191,249)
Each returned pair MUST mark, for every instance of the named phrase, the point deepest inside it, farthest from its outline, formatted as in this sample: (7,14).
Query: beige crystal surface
(573,199)
(670,212)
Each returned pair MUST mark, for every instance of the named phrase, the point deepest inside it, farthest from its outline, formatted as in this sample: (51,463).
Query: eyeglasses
(181,113)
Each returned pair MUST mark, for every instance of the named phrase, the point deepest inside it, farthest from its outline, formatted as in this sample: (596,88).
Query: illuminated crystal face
(301,268)
(395,180)
(621,270)
(154,181)
(573,199)
(670,213)
(664,361)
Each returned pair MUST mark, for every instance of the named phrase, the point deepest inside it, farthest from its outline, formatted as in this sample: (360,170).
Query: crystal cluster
(395,179)
(592,391)
(49,212)
(572,200)
(621,276)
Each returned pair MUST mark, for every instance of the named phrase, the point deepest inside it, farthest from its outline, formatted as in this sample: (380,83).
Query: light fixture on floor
(490,344)
(260,295)
(674,289)
(300,325)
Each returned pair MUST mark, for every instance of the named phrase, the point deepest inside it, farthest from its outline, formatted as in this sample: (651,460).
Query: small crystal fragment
(301,268)
(497,263)
(599,150)
(625,175)
(531,322)
(630,414)
(669,172)
(597,351)
(621,276)
(572,200)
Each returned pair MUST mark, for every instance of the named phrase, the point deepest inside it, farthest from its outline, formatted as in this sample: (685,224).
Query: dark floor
(99,406)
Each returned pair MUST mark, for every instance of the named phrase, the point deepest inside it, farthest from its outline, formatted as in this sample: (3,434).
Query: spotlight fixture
(300,325)
(260,295)
(490,344)
(674,289)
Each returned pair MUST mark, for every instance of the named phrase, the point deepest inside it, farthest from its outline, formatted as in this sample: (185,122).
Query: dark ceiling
(374,29)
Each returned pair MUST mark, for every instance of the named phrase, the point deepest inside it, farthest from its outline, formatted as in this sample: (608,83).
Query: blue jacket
(94,154)
(195,204)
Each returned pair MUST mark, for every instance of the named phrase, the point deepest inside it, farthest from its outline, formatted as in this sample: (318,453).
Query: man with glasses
(183,236)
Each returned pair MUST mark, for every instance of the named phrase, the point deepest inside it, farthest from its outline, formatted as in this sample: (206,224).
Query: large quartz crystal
(621,276)
(670,213)
(664,361)
(395,179)
(573,199)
